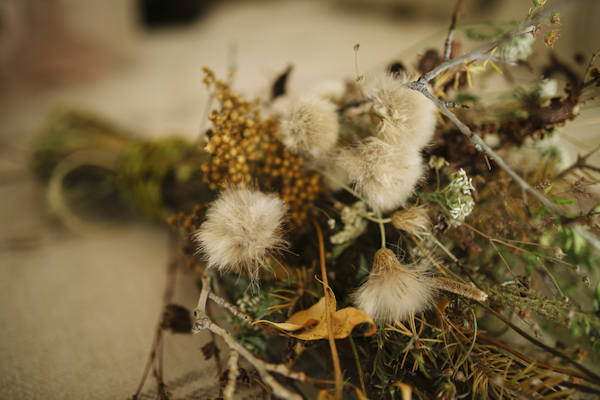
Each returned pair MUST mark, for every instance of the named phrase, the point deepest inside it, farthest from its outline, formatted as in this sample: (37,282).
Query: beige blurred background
(78,310)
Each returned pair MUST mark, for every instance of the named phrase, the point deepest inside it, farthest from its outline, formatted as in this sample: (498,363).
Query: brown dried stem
(232,375)
(565,371)
(334,353)
(579,164)
(155,358)
(592,377)
(263,368)
(448,47)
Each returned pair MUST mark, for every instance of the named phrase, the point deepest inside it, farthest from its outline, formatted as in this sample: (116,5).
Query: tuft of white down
(310,125)
(384,174)
(242,227)
(407,116)
(395,294)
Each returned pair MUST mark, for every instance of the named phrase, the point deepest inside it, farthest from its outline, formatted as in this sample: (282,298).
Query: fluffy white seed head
(393,290)
(384,174)
(310,125)
(407,116)
(242,227)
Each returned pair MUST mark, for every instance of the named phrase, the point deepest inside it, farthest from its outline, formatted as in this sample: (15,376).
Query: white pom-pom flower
(407,116)
(394,291)
(385,175)
(310,125)
(242,227)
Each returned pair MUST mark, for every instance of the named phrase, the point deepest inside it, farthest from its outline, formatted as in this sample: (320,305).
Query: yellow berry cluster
(234,142)
(297,187)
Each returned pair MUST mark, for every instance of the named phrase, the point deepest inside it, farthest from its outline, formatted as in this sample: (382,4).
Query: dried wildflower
(354,223)
(242,227)
(407,117)
(384,174)
(393,290)
(550,38)
(310,125)
(459,198)
(413,220)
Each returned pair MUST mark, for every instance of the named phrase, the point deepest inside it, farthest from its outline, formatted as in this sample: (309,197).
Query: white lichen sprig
(310,126)
(459,197)
(243,227)
(354,223)
(383,174)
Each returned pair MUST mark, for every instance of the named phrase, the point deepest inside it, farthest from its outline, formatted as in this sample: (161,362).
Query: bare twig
(594,378)
(565,371)
(155,358)
(263,368)
(448,47)
(334,353)
(580,163)
(232,375)
(233,309)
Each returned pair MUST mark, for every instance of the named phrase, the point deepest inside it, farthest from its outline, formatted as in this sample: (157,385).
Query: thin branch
(232,375)
(334,353)
(565,371)
(592,376)
(155,353)
(263,368)
(580,163)
(233,309)
(482,146)
(448,47)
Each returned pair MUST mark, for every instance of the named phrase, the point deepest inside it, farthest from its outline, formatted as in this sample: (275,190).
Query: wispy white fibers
(407,117)
(393,290)
(384,174)
(242,227)
(310,125)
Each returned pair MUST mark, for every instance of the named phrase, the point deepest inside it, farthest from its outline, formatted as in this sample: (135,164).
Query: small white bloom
(242,227)
(407,116)
(384,174)
(459,198)
(310,125)
(518,48)
(354,223)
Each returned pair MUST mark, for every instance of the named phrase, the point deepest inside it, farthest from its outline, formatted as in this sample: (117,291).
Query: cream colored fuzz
(242,227)
(384,174)
(407,116)
(393,291)
(310,126)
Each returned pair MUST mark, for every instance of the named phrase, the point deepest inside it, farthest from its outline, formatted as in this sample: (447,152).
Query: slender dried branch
(334,353)
(263,368)
(156,352)
(579,164)
(448,47)
(594,378)
(232,375)
(565,371)
(233,309)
